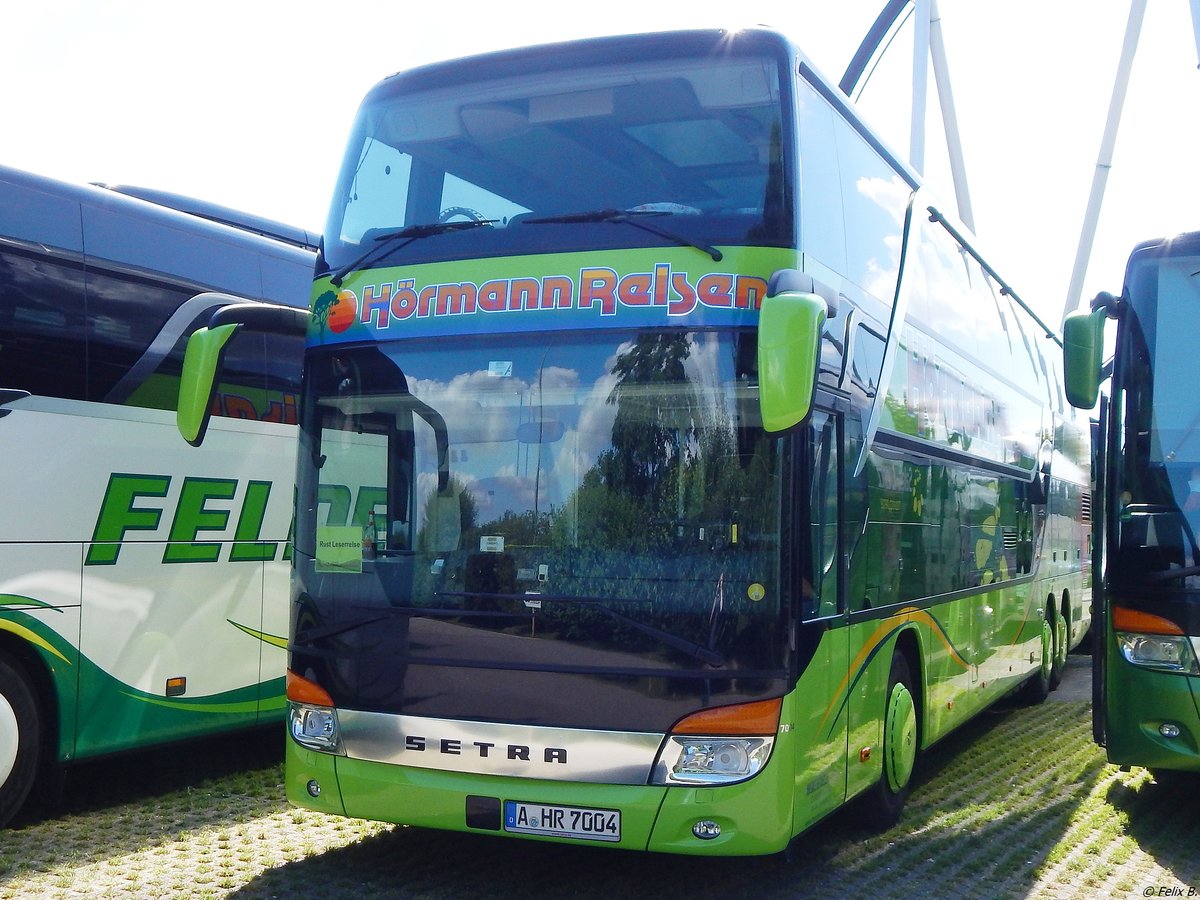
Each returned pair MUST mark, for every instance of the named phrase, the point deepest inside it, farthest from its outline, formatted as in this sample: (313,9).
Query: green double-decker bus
(672,470)
(1146,679)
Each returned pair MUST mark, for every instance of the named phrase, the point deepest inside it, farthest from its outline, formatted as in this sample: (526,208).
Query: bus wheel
(1058,664)
(20,739)
(1037,688)
(884,802)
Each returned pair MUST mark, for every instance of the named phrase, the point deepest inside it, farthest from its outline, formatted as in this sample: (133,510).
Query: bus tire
(20,738)
(1037,688)
(1058,662)
(883,803)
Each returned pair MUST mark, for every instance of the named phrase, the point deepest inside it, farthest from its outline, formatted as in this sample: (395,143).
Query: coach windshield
(646,146)
(604,509)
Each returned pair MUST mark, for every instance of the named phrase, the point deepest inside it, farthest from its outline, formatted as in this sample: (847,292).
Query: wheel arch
(34,667)
(908,645)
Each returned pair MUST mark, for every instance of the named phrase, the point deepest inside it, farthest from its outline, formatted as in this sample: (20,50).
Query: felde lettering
(134,503)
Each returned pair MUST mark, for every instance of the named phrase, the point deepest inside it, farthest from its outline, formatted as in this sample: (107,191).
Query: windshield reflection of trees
(669,526)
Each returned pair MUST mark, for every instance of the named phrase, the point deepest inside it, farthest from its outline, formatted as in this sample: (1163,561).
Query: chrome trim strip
(490,748)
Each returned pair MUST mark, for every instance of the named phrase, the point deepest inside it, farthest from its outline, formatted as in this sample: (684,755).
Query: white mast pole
(1133,28)
(941,74)
(916,131)
(1196,24)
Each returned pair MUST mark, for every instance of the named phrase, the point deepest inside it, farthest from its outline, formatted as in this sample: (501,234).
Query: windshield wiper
(1172,574)
(636,218)
(691,648)
(307,638)
(405,236)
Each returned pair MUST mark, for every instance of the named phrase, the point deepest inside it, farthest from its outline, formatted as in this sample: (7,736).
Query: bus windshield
(1168,298)
(1159,479)
(611,495)
(552,152)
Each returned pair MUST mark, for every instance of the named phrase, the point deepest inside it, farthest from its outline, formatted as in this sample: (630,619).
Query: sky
(249,103)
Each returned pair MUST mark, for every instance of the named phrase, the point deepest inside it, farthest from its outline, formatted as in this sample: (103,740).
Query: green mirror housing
(206,347)
(1083,356)
(201,360)
(789,348)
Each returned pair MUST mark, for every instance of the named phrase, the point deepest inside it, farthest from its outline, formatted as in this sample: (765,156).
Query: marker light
(1153,642)
(719,746)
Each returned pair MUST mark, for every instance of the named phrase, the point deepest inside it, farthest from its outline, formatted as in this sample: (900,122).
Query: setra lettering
(419,743)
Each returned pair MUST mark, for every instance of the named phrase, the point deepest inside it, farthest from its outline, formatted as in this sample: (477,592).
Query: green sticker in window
(339,548)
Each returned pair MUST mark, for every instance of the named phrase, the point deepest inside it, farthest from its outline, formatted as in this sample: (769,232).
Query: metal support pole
(941,75)
(920,77)
(1196,25)
(927,44)
(1137,10)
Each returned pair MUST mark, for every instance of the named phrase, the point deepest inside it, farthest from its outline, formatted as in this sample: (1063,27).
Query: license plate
(562,821)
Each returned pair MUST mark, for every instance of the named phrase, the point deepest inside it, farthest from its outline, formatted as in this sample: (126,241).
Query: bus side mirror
(198,381)
(1083,356)
(206,348)
(790,323)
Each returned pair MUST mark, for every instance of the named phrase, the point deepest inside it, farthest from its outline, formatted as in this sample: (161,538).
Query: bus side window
(866,362)
(822,237)
(821,587)
(875,201)
(42,332)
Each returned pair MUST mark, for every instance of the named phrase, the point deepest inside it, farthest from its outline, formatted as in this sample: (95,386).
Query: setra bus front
(546,552)
(1148,677)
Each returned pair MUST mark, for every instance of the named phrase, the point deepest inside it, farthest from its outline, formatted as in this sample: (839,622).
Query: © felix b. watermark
(1163,890)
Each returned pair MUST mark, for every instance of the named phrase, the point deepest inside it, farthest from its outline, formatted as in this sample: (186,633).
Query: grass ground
(1020,803)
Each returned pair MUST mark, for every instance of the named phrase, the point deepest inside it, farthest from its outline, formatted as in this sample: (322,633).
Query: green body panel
(1139,701)
(114,716)
(59,656)
(126,718)
(755,816)
(971,652)
(819,728)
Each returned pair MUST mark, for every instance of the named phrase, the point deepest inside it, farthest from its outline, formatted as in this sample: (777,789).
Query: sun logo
(337,312)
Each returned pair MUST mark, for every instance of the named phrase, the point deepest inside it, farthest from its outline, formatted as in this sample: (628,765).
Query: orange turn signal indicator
(1138,622)
(759,717)
(302,690)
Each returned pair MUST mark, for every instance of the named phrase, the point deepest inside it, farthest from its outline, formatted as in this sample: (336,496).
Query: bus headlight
(686,759)
(719,745)
(1163,652)
(315,727)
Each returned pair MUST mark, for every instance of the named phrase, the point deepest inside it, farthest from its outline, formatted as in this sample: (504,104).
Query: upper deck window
(692,144)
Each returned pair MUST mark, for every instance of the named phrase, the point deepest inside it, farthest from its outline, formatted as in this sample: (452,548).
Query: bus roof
(214,212)
(148,203)
(128,232)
